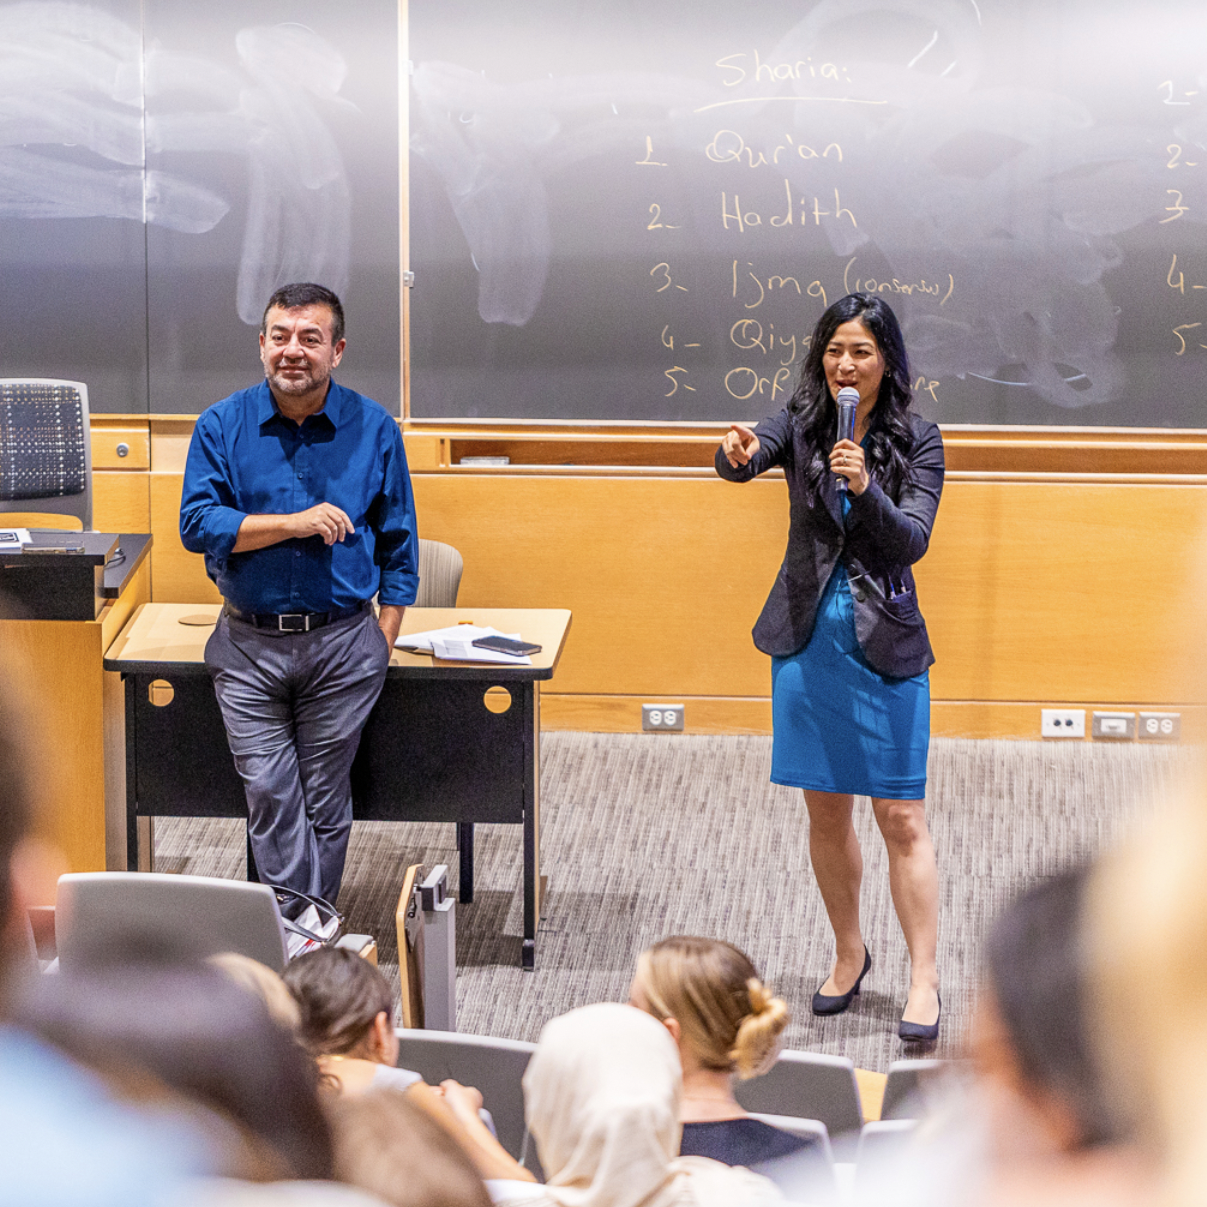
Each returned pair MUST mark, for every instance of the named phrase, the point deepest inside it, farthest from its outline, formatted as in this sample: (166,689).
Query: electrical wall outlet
(661,717)
(1118,725)
(1160,726)
(1062,723)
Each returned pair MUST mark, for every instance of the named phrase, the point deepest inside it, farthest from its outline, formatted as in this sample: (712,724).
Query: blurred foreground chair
(45,448)
(882,1145)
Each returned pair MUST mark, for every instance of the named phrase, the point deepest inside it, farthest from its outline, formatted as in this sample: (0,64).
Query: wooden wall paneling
(665,578)
(973,449)
(1020,719)
(424,452)
(107,437)
(622,714)
(735,715)
(178,576)
(1063,591)
(170,438)
(1032,590)
(1036,588)
(120,501)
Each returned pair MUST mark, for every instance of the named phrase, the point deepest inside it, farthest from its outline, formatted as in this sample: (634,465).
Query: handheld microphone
(847,400)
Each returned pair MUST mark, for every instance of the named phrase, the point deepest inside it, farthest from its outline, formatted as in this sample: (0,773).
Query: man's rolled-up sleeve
(209,521)
(397,549)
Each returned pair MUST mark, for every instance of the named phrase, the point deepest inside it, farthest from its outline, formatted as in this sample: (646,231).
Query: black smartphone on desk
(507,645)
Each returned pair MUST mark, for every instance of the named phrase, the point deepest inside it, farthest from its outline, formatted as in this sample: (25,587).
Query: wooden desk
(445,742)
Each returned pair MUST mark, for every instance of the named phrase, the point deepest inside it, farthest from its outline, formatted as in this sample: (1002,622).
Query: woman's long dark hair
(890,437)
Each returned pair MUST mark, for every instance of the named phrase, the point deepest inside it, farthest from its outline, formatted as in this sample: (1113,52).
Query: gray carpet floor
(649,835)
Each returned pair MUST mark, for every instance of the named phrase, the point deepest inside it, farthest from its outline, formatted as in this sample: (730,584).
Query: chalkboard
(164,166)
(637,211)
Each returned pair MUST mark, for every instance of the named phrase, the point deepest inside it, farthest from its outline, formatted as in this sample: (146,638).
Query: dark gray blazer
(881,541)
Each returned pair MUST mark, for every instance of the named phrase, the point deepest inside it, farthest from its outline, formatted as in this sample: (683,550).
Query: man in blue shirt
(297,492)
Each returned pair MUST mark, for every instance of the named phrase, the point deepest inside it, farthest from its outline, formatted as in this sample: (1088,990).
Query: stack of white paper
(456,644)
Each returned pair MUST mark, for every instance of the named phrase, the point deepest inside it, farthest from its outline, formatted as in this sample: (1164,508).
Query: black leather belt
(293,622)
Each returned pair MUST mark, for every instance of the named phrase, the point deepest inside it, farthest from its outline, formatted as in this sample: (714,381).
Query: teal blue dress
(840,726)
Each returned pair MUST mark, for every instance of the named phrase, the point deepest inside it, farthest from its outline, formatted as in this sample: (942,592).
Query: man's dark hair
(306,293)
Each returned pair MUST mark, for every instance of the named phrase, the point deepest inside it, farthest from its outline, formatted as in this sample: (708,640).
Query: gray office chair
(212,915)
(440,567)
(494,1066)
(907,1088)
(46,448)
(807,1085)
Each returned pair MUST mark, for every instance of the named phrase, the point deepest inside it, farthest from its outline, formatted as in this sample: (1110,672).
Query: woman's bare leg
(838,866)
(914,882)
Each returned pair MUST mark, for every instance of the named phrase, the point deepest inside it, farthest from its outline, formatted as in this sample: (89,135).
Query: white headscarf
(602,1099)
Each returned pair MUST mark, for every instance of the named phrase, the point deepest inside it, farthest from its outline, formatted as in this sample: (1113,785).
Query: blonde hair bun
(757,1043)
(727,1017)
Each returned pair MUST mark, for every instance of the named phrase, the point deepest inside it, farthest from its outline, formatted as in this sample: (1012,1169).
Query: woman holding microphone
(850,688)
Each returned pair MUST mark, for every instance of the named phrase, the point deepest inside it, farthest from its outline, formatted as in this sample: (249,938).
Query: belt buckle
(303,627)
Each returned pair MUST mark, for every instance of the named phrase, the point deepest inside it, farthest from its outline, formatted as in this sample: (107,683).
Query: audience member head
(259,979)
(1147,930)
(346,1005)
(601,1095)
(709,995)
(386,1145)
(142,1011)
(1029,1037)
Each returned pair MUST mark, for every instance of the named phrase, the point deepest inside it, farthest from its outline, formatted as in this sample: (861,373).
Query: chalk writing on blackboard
(996,175)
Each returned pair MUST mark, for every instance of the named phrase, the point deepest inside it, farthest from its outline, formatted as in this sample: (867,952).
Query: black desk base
(431,751)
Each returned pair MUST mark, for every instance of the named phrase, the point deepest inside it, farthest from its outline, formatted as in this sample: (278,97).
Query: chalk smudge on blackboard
(74,139)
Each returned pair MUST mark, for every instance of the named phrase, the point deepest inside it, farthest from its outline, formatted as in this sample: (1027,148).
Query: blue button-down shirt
(246,458)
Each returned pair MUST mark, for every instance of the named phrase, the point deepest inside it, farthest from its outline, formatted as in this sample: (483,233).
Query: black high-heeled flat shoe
(824,1003)
(921,1033)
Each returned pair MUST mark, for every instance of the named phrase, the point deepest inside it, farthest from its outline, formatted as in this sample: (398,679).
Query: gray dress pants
(294,705)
